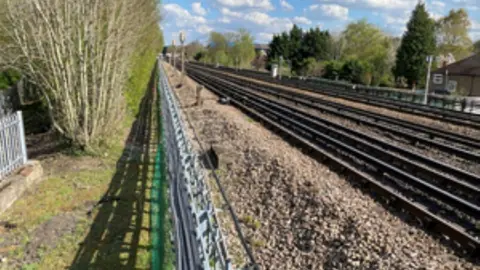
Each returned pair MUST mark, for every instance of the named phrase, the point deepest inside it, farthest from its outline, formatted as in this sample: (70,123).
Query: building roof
(265,47)
(469,66)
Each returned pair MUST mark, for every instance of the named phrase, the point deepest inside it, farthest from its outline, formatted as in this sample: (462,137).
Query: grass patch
(249,119)
(251,222)
(116,235)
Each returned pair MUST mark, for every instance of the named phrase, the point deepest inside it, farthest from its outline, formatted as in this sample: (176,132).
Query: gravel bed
(297,213)
(387,112)
(467,165)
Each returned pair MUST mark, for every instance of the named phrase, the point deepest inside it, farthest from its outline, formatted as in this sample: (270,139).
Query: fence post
(21,130)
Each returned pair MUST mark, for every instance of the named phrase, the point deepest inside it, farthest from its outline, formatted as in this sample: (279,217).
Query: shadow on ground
(119,235)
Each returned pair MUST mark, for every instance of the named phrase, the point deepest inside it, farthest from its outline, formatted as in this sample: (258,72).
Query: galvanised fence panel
(188,186)
(13,151)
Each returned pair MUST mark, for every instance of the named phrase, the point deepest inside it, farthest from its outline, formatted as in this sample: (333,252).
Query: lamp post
(429,60)
(280,61)
(171,53)
(446,79)
(182,41)
(174,54)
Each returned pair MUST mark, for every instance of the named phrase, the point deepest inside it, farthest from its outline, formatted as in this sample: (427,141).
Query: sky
(263,18)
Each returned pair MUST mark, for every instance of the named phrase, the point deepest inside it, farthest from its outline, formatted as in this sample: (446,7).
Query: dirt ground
(90,212)
(296,212)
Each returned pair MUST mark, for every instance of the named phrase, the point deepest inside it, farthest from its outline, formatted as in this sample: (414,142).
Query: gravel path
(296,212)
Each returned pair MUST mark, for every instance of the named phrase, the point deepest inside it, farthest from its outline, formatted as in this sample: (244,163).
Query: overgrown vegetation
(86,57)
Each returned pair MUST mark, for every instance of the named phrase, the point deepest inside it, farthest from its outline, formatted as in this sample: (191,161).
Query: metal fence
(184,169)
(13,151)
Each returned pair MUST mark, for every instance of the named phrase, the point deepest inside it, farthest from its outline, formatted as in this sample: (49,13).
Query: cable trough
(448,204)
(451,116)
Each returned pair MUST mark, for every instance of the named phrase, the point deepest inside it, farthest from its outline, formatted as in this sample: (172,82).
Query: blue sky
(263,18)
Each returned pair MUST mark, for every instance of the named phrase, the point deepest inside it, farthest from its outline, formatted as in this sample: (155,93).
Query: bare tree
(78,53)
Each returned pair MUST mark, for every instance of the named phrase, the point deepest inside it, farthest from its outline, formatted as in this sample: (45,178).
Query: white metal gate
(13,151)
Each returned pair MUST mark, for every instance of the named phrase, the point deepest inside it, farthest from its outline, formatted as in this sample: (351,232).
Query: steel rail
(472,179)
(444,112)
(454,117)
(460,152)
(293,123)
(323,105)
(360,140)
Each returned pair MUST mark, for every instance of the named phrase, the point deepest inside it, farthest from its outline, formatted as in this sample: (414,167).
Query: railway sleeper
(443,225)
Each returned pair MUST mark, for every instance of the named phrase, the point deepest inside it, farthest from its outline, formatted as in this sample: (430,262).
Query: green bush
(387,81)
(332,69)
(355,71)
(8,78)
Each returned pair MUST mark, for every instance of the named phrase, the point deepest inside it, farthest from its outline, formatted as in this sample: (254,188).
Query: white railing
(13,151)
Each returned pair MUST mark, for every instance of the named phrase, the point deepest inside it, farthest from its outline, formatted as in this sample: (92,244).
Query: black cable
(222,191)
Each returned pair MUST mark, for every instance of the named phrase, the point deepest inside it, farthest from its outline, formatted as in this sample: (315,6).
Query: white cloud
(438,4)
(390,4)
(475,25)
(263,37)
(331,10)
(227,12)
(435,15)
(301,20)
(262,4)
(198,9)
(395,19)
(269,24)
(224,20)
(258,17)
(285,5)
(183,19)
(380,4)
(204,29)
(475,36)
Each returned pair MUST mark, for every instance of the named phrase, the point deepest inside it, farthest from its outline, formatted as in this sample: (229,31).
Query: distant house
(262,49)
(462,77)
(261,52)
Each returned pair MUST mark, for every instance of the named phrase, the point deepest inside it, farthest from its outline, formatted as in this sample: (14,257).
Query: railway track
(451,116)
(459,145)
(449,205)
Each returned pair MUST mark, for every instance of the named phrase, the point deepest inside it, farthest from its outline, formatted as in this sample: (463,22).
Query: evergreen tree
(417,43)
(295,49)
(317,44)
(279,46)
